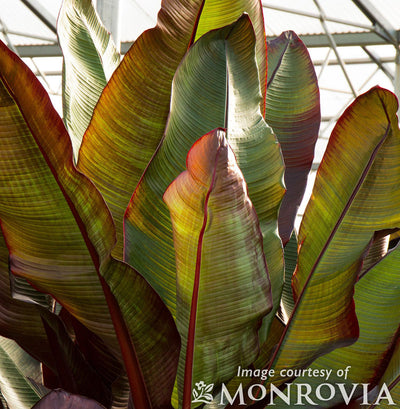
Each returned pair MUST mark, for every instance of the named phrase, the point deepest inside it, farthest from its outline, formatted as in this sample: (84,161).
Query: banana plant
(148,257)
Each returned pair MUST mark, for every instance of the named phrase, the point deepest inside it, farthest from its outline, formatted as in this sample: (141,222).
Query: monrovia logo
(202,393)
(300,394)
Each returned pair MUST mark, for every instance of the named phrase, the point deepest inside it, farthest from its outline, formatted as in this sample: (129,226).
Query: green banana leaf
(293,112)
(60,234)
(377,303)
(90,57)
(208,93)
(15,366)
(355,194)
(63,400)
(130,118)
(216,231)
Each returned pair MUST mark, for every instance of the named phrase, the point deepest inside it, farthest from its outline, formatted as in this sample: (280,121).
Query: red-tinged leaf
(216,230)
(63,400)
(293,112)
(60,234)
(130,118)
(377,302)
(208,93)
(355,194)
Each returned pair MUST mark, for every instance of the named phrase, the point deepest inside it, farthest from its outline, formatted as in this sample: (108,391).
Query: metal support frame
(334,47)
(378,61)
(387,31)
(5,32)
(316,16)
(382,25)
(42,13)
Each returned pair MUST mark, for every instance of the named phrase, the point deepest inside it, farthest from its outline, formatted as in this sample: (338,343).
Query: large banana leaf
(355,194)
(216,230)
(208,93)
(293,112)
(130,118)
(60,234)
(377,302)
(90,58)
(15,366)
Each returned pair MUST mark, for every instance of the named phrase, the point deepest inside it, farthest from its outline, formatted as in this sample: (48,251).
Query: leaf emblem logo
(202,392)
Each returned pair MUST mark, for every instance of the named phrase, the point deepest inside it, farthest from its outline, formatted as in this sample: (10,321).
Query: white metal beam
(42,13)
(334,47)
(374,15)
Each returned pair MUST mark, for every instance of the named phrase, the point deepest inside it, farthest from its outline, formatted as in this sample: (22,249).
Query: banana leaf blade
(293,112)
(90,57)
(377,301)
(216,231)
(355,194)
(206,96)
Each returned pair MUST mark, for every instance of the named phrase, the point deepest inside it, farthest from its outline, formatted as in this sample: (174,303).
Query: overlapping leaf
(377,301)
(90,57)
(15,366)
(130,118)
(356,193)
(60,234)
(208,93)
(293,112)
(223,289)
